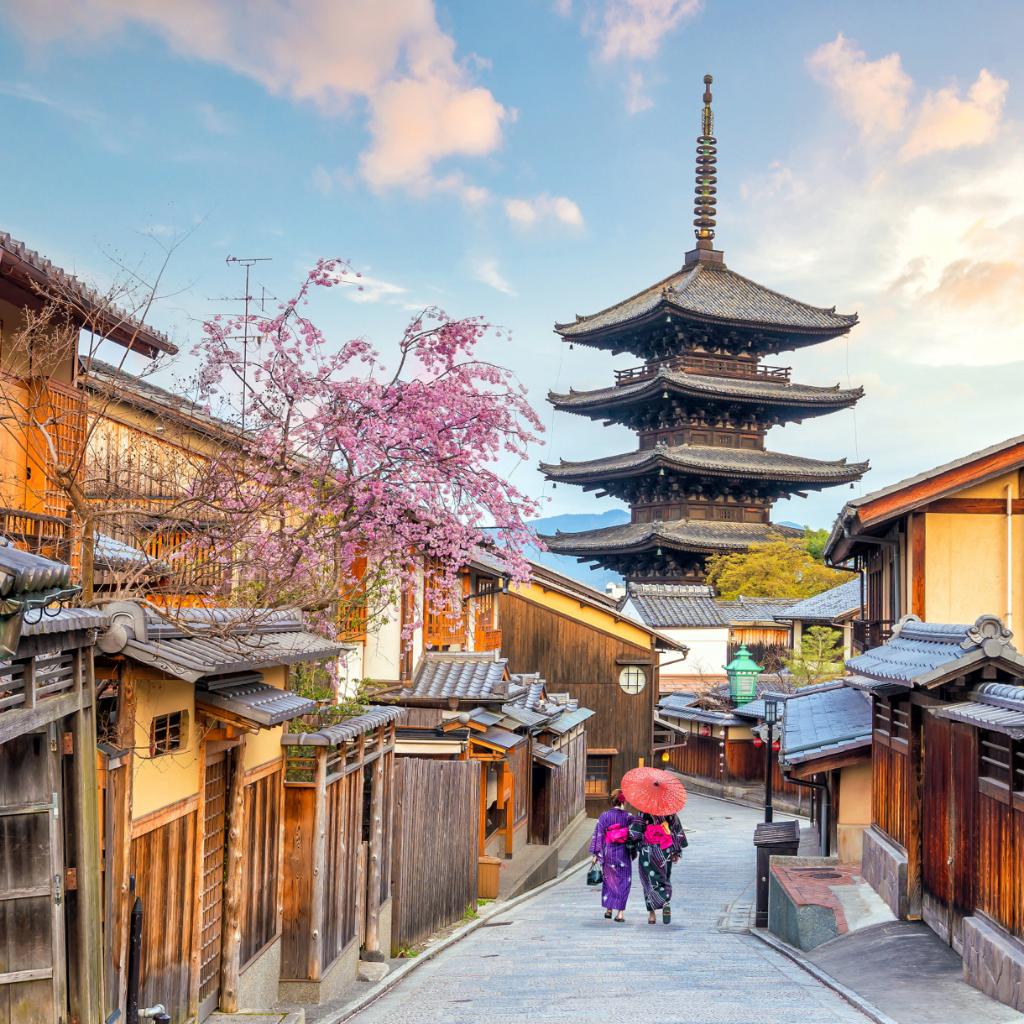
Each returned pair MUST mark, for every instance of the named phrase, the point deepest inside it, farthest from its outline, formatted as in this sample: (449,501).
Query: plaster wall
(707,657)
(854,810)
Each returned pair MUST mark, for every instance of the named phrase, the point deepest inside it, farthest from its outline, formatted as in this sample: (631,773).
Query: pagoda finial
(704,198)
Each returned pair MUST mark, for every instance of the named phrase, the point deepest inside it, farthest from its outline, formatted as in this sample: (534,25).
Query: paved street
(555,959)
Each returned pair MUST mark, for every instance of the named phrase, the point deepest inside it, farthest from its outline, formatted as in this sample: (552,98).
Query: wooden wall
(162,860)
(436,827)
(297,888)
(261,867)
(700,756)
(342,880)
(519,762)
(1000,863)
(582,660)
(565,797)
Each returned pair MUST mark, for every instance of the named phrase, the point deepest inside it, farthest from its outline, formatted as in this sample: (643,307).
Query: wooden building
(946,842)
(946,545)
(826,746)
(191,715)
(700,480)
(51,965)
(338,817)
(837,609)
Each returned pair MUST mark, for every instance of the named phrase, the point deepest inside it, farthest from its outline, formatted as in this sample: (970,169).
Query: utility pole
(248,262)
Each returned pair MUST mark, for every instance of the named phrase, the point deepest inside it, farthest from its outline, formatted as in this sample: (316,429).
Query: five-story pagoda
(701,480)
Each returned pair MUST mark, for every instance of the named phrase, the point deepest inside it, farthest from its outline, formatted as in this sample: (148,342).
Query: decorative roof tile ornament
(705,206)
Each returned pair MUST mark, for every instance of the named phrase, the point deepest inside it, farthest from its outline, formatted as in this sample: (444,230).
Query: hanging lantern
(743,672)
(758,742)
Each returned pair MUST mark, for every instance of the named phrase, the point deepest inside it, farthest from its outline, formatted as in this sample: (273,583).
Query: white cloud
(945,121)
(423,105)
(634,29)
(563,8)
(872,94)
(529,213)
(372,290)
(486,271)
(215,121)
(637,99)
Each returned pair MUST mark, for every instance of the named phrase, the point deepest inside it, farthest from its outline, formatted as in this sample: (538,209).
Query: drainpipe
(1009,558)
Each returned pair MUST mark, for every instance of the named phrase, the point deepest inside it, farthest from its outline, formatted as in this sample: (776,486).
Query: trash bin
(772,839)
(488,878)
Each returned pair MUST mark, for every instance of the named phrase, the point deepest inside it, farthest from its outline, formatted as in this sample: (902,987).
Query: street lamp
(743,673)
(771,716)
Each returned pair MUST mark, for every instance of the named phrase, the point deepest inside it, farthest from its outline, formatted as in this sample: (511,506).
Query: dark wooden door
(214,840)
(32,949)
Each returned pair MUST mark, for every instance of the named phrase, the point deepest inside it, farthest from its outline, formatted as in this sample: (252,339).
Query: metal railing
(708,365)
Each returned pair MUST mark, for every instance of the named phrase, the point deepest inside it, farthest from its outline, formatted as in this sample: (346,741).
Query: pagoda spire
(705,208)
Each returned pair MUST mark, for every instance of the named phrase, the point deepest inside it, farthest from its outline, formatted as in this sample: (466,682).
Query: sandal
(666,915)
(652,918)
(607,915)
(620,919)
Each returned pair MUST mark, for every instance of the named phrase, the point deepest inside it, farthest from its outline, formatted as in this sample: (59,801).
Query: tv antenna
(248,262)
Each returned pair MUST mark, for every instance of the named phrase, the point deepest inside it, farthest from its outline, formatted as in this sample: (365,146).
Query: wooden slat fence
(260,897)
(566,798)
(436,824)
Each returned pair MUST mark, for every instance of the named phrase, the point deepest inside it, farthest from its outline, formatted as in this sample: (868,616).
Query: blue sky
(533,160)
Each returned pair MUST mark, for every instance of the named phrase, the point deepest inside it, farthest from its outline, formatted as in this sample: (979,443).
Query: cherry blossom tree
(361,470)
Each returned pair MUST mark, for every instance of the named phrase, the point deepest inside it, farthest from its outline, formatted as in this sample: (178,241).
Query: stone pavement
(554,959)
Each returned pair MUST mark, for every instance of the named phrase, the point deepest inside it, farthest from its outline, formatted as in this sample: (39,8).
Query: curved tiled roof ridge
(715,461)
(729,298)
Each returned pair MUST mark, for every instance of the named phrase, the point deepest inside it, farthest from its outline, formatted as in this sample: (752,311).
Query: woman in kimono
(658,840)
(609,847)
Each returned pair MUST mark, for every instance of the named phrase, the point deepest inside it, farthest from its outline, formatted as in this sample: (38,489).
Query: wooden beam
(231,932)
(917,562)
(316,911)
(198,858)
(88,913)
(483,808)
(828,764)
(160,817)
(17,721)
(974,506)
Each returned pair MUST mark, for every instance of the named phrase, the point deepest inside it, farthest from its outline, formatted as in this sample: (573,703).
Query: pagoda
(700,481)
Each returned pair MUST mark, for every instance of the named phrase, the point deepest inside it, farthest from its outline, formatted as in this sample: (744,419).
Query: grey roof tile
(249,697)
(826,606)
(753,609)
(66,620)
(22,572)
(824,722)
(351,728)
(713,461)
(466,676)
(669,605)
(716,294)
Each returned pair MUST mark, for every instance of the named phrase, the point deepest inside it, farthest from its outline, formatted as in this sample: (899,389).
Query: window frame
(174,727)
(591,762)
(624,671)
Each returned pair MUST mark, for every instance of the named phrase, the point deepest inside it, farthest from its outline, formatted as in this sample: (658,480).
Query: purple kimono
(614,858)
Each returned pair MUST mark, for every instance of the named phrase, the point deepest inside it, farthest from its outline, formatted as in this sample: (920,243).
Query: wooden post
(88,999)
(509,785)
(483,807)
(198,859)
(373,886)
(231,941)
(319,838)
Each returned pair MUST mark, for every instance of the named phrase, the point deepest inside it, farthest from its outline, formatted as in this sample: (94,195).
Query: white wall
(708,653)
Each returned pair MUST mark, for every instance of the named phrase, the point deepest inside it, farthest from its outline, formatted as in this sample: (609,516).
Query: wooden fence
(434,867)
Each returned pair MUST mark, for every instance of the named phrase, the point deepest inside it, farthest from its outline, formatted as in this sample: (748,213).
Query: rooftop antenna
(248,262)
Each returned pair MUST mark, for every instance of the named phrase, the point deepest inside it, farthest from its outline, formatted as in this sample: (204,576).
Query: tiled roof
(758,391)
(66,620)
(22,572)
(825,722)
(709,460)
(548,756)
(569,719)
(249,697)
(753,609)
(827,606)
(927,653)
(714,294)
(671,605)
(350,729)
(684,534)
(41,276)
(467,676)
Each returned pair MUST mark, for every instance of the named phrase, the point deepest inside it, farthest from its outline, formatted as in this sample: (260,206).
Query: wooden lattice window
(352,614)
(994,759)
(168,733)
(599,775)
(62,416)
(901,720)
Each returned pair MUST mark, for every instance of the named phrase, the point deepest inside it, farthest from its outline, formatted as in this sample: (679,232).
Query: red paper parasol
(653,791)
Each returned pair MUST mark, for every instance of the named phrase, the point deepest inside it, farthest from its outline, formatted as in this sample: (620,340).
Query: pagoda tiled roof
(714,293)
(712,461)
(696,535)
(759,391)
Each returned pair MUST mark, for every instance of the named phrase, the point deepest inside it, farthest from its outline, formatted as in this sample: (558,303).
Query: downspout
(1009,559)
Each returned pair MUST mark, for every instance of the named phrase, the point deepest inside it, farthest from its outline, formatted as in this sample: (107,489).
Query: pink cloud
(530,213)
(634,29)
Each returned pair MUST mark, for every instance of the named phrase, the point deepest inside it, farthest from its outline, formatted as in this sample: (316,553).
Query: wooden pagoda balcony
(710,366)
(45,535)
(870,633)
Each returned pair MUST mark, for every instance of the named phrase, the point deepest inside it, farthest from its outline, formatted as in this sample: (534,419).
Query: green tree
(815,541)
(820,657)
(779,567)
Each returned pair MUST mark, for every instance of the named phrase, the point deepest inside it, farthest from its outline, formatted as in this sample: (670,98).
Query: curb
(386,984)
(857,1002)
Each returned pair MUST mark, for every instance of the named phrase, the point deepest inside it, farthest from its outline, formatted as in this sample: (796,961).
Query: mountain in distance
(576,523)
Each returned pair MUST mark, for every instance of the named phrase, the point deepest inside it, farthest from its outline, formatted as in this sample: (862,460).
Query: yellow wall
(164,780)
(966,561)
(607,622)
(854,810)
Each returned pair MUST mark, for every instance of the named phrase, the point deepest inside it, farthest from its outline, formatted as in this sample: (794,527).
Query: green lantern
(743,672)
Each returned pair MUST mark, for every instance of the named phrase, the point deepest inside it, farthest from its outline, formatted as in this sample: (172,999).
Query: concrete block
(884,868)
(994,961)
(372,970)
